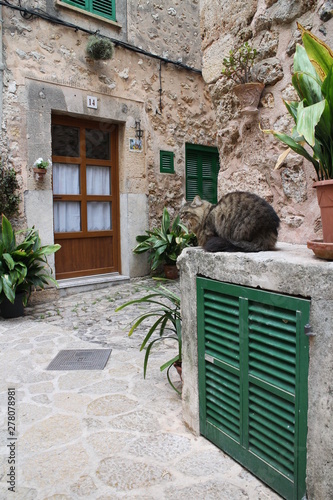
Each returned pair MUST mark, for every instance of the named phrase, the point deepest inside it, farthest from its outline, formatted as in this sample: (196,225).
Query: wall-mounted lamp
(138,132)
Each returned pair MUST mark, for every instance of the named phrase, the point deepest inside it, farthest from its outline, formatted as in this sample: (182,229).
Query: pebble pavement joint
(103,434)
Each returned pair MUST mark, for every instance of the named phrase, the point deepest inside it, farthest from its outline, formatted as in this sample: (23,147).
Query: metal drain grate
(88,359)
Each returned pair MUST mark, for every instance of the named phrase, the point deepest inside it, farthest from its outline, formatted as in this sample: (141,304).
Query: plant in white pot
(312,136)
(238,68)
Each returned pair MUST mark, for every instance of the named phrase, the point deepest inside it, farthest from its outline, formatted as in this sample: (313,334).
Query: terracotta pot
(321,249)
(325,201)
(178,367)
(40,172)
(171,271)
(249,95)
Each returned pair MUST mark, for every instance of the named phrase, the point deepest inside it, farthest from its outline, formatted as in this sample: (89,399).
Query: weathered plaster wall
(248,156)
(47,70)
(291,270)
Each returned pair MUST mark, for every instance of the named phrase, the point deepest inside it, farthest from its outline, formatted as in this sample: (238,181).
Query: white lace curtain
(67,214)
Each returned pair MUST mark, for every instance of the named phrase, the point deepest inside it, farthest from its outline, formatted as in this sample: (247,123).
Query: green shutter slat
(167,162)
(82,4)
(222,328)
(267,360)
(224,410)
(103,7)
(252,348)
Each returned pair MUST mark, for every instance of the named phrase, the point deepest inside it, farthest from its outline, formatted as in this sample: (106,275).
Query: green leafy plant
(43,164)
(313,113)
(9,200)
(23,267)
(165,243)
(99,48)
(238,65)
(168,325)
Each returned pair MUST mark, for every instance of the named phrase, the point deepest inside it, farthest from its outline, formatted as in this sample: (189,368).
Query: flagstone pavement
(101,434)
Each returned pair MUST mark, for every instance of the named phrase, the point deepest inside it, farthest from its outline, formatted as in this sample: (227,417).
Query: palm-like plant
(23,267)
(165,243)
(313,114)
(168,324)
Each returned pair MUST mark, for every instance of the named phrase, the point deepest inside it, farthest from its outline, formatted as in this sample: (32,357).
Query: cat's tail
(217,244)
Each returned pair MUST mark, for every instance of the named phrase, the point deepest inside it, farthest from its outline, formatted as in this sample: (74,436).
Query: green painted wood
(167,162)
(104,8)
(202,166)
(253,361)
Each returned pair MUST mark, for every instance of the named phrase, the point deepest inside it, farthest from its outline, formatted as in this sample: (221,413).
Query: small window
(103,8)
(166,162)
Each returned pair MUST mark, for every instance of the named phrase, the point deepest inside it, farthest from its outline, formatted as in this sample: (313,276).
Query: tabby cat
(240,222)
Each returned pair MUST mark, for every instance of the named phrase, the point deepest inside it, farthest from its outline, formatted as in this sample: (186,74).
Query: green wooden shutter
(193,184)
(104,8)
(253,365)
(202,166)
(167,162)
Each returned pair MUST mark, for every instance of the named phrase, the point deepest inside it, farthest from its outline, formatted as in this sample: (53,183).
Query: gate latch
(308,331)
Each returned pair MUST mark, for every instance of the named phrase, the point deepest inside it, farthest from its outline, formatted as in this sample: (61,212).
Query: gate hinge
(308,331)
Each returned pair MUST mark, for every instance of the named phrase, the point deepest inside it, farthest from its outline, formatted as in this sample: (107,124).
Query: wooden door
(85,197)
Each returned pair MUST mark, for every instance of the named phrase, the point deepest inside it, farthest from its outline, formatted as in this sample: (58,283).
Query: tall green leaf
(307,120)
(320,54)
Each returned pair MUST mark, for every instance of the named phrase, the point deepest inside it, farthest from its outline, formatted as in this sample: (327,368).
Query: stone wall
(47,70)
(247,155)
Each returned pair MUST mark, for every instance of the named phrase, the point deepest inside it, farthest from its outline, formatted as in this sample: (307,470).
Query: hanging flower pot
(99,48)
(40,172)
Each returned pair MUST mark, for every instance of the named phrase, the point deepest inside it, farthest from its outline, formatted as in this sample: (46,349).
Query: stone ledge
(290,269)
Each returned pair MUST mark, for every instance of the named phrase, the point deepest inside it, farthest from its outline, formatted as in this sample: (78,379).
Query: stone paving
(102,434)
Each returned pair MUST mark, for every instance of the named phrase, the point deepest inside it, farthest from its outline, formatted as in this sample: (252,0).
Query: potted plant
(99,48)
(312,136)
(238,68)
(40,167)
(22,268)
(165,244)
(168,325)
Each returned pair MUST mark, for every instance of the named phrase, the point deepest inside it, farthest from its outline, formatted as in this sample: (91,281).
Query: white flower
(40,163)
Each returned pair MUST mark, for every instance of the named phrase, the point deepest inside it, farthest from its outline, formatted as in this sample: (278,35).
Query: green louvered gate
(253,369)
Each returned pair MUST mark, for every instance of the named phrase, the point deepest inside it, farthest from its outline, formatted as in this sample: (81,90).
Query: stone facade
(46,70)
(247,155)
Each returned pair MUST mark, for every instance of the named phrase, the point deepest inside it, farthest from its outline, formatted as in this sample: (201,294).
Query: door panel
(85,196)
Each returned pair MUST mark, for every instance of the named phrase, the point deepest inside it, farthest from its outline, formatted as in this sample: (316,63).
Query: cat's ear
(197,201)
